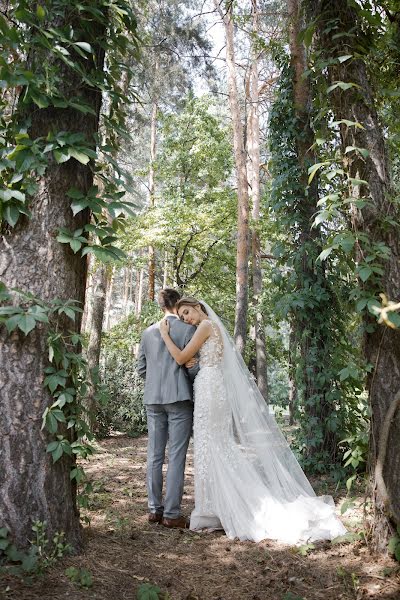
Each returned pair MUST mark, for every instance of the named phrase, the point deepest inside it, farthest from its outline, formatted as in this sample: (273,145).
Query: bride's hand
(164,327)
(191,362)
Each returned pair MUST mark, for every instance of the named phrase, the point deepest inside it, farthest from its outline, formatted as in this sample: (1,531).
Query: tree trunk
(125,294)
(153,148)
(292,374)
(87,315)
(379,221)
(139,294)
(31,486)
(242,255)
(253,149)
(110,290)
(165,273)
(131,288)
(100,279)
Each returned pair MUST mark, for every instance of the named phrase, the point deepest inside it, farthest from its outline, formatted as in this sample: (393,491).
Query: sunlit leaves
(194,217)
(348,123)
(363,151)
(342,85)
(344,57)
(312,171)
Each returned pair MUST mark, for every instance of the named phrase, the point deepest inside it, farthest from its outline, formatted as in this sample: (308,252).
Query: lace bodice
(212,350)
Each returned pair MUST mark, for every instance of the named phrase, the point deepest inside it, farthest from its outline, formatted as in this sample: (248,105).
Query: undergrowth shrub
(122,406)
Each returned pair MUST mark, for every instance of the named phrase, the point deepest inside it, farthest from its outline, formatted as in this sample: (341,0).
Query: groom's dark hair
(167,298)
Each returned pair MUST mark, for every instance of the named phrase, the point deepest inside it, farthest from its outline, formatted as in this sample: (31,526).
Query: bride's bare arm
(181,356)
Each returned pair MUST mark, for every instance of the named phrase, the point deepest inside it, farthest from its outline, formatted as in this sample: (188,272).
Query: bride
(247,480)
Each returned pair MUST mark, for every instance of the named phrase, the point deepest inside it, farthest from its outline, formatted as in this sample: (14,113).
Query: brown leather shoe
(180,522)
(154,517)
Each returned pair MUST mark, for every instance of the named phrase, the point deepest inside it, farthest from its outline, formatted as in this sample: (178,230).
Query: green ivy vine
(66,377)
(314,300)
(23,161)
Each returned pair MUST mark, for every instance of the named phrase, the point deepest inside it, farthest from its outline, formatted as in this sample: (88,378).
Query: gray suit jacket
(165,380)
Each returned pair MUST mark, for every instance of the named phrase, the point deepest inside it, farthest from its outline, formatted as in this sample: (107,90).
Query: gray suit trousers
(172,423)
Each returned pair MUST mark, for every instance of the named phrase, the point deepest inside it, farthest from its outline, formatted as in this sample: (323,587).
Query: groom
(168,397)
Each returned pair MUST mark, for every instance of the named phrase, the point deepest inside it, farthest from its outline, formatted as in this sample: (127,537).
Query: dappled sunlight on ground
(123,551)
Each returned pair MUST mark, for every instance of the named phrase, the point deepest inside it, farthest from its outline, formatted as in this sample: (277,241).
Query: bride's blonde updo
(190,301)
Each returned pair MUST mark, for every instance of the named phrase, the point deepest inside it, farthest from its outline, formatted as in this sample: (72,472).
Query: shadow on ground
(122,551)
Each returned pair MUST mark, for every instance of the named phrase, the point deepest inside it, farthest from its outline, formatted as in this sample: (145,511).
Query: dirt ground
(123,552)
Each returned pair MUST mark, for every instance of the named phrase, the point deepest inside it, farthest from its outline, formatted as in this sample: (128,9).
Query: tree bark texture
(31,487)
(381,344)
(253,149)
(242,255)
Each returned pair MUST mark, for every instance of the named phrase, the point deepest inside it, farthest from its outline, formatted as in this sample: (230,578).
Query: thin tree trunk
(125,296)
(137,287)
(165,274)
(31,486)
(253,148)
(131,290)
(292,374)
(242,255)
(139,297)
(110,289)
(86,317)
(153,150)
(100,280)
(381,344)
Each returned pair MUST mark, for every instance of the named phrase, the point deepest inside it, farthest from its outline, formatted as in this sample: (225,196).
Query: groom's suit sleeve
(141,361)
(196,368)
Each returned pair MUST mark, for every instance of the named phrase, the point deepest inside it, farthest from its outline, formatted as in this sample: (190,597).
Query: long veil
(256,432)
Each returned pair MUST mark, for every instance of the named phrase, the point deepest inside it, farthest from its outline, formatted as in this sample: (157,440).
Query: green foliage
(41,555)
(357,454)
(123,408)
(68,47)
(306,549)
(80,576)
(148,591)
(346,197)
(394,544)
(193,221)
(66,377)
(347,538)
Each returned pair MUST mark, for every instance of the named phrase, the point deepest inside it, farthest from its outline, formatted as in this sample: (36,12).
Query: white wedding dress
(247,480)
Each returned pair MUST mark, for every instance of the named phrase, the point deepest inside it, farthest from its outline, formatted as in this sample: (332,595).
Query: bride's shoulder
(205,325)
(208,325)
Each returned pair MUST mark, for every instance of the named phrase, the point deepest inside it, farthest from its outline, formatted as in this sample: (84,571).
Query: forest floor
(123,552)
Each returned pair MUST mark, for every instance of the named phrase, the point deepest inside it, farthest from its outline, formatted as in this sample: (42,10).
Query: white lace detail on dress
(211,352)
(246,477)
